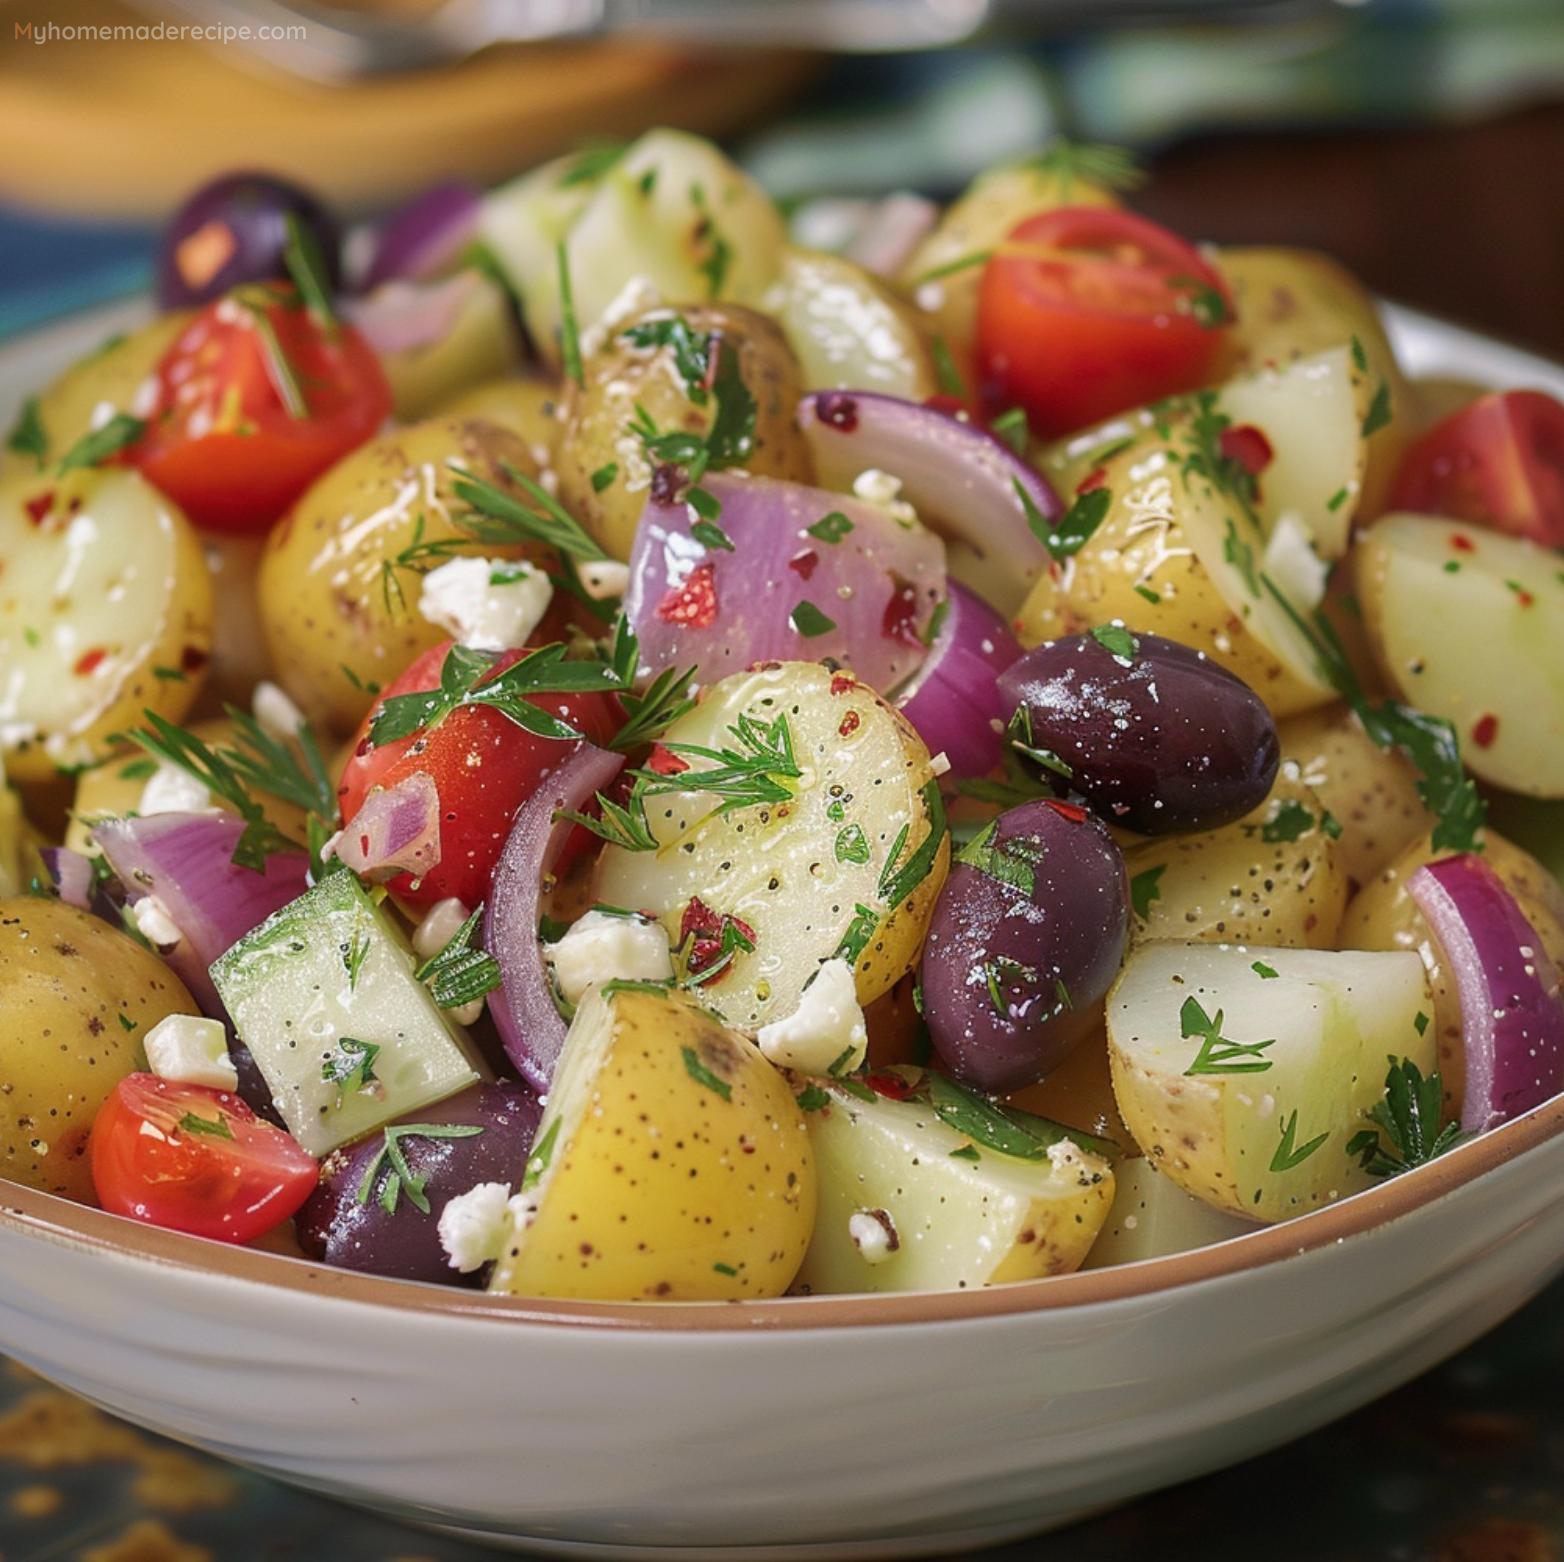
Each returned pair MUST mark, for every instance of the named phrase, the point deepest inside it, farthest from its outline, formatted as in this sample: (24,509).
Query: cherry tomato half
(1085,311)
(484,768)
(194,1159)
(1498,462)
(255,399)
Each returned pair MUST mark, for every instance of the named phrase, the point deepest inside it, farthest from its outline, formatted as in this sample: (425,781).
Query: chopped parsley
(809,621)
(1146,889)
(1217,1054)
(392,1161)
(1289,1155)
(830,528)
(95,447)
(1406,1131)
(1117,641)
(28,436)
(703,1075)
(457,973)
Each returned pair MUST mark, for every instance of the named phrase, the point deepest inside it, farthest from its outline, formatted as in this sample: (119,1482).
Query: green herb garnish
(1217,1054)
(401,1179)
(1407,1132)
(457,973)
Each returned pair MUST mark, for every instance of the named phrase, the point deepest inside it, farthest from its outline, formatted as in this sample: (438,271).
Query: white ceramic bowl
(864,1426)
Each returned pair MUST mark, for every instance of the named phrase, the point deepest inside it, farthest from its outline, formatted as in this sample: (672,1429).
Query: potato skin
(1383,915)
(328,604)
(1232,886)
(620,376)
(662,1186)
(1292,302)
(69,983)
(1371,791)
(526,405)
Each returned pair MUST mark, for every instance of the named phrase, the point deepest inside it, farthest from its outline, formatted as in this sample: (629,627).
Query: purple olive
(235,230)
(1152,735)
(339,1227)
(1026,938)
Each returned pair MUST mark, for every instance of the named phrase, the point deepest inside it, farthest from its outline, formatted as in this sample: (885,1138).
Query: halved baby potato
(1176,556)
(105,612)
(909,1203)
(672,1163)
(1468,624)
(1152,1217)
(851,861)
(1261,1131)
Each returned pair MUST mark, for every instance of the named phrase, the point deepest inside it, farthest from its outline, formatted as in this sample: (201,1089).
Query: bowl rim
(1427,344)
(52,1218)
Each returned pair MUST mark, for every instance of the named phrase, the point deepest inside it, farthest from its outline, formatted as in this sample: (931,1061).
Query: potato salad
(564,741)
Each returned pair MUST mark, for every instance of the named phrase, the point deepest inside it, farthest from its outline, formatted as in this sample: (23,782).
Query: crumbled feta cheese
(488,604)
(440,924)
(826,1032)
(170,790)
(1291,562)
(154,923)
(940,763)
(637,296)
(602,578)
(191,1050)
(874,1234)
(602,947)
(883,489)
(474,1225)
(275,713)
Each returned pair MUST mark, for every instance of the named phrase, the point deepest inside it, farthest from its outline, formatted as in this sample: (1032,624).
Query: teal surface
(1465,1465)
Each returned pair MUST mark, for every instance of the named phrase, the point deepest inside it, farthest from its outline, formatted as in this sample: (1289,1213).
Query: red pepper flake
(804,563)
(1071,811)
(664,762)
(39,506)
(1462,543)
(89,661)
(892,1086)
(1093,479)
(1485,730)
(899,621)
(1522,596)
(843,683)
(1248,447)
(706,931)
(694,604)
(839,410)
(850,724)
(192,659)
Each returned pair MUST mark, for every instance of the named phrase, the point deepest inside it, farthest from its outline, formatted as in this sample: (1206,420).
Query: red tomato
(1499,462)
(483,766)
(1084,312)
(197,1160)
(254,403)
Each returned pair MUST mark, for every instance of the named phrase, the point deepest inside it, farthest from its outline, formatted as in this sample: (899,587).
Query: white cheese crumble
(939,764)
(190,1050)
(602,578)
(883,489)
(440,925)
(170,790)
(1291,562)
(488,604)
(601,947)
(474,1226)
(873,1233)
(154,922)
(275,713)
(826,1032)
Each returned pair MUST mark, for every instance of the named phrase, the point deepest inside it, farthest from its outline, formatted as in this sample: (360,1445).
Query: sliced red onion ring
(1511,1012)
(962,481)
(809,575)
(953,700)
(403,316)
(891,230)
(530,1026)
(396,830)
(425,237)
(71,875)
(186,860)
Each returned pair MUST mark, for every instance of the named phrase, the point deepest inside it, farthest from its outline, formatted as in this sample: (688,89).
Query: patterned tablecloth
(1465,1465)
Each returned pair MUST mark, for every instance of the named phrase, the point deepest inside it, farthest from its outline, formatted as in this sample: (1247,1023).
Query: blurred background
(1421,141)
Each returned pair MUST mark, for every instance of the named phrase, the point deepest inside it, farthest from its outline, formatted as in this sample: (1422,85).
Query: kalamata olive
(1154,736)
(404,1241)
(1026,938)
(235,230)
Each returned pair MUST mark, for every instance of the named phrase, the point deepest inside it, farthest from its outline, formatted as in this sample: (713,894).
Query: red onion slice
(961,480)
(404,316)
(861,587)
(1511,1011)
(397,830)
(425,237)
(71,875)
(186,860)
(953,700)
(530,1026)
(891,230)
